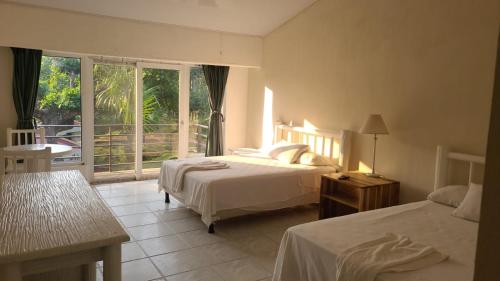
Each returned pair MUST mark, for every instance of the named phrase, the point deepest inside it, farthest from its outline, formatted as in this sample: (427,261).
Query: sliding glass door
(146,113)
(160,116)
(114,118)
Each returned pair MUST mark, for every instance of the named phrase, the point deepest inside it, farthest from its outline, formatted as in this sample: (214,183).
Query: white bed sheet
(248,183)
(308,251)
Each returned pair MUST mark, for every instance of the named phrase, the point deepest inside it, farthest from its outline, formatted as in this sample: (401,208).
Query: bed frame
(443,158)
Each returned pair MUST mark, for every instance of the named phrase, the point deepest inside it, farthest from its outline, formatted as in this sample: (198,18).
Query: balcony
(114,144)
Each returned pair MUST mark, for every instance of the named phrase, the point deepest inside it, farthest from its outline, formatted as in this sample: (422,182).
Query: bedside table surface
(358,179)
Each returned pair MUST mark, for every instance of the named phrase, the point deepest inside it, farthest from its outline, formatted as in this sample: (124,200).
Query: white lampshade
(374,125)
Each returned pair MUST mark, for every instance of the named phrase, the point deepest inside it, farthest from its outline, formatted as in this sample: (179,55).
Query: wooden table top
(50,214)
(359,180)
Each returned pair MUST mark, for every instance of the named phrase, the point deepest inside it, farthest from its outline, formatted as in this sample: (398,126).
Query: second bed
(254,183)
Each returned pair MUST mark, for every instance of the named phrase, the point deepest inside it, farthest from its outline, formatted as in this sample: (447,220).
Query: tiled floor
(169,242)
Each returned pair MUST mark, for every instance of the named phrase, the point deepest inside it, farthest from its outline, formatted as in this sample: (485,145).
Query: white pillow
(290,156)
(451,195)
(284,146)
(470,208)
(313,159)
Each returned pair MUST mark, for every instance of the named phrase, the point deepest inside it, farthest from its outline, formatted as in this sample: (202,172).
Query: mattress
(308,251)
(248,184)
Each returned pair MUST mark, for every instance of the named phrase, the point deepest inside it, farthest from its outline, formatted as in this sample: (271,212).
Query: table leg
(112,267)
(11,272)
(89,272)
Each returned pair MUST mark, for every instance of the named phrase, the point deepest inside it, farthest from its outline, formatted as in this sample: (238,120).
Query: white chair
(18,137)
(32,161)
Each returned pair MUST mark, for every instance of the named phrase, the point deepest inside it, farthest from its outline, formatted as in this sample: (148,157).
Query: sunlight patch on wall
(364,168)
(308,125)
(267,119)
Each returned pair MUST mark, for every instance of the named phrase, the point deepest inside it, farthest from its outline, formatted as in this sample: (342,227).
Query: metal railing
(114,144)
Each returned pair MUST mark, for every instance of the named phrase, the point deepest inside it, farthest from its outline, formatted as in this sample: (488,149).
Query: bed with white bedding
(310,251)
(256,182)
(250,183)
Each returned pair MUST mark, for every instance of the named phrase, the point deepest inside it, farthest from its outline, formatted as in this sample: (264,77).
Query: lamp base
(373,175)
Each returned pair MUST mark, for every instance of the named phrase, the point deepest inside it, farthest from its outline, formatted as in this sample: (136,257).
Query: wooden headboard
(334,144)
(444,156)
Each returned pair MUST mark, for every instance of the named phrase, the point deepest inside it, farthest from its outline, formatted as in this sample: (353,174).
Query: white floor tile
(267,260)
(130,210)
(233,230)
(204,274)
(225,251)
(132,251)
(161,205)
(276,236)
(118,201)
(138,219)
(110,193)
(182,261)
(139,270)
(241,270)
(150,231)
(177,241)
(258,244)
(176,214)
(163,245)
(189,224)
(201,237)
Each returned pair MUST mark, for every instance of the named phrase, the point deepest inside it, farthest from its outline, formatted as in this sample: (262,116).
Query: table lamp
(374,125)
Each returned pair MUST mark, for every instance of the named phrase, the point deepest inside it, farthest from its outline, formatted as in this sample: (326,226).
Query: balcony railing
(65,134)
(114,144)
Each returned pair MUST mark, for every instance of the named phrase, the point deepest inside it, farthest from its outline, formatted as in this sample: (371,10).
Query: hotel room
(218,140)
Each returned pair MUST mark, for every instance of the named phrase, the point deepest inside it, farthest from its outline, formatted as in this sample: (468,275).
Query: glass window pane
(199,112)
(160,116)
(58,105)
(114,118)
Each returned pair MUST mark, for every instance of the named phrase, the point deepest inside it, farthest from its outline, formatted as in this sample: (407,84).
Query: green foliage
(198,96)
(114,93)
(59,91)
(160,97)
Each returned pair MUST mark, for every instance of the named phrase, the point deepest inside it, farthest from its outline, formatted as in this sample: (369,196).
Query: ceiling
(252,17)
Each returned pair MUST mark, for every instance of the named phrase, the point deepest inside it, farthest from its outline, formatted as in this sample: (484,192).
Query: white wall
(8,117)
(426,66)
(57,30)
(235,107)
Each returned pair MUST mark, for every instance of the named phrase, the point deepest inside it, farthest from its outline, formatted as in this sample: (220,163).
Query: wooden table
(356,194)
(57,150)
(54,221)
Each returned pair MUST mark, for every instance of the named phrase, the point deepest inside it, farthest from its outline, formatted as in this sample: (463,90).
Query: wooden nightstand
(356,194)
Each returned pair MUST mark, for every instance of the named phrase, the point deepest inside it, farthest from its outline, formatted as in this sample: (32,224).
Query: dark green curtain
(27,64)
(216,78)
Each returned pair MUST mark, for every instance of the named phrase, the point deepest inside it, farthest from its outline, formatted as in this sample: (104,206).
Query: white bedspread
(308,252)
(247,183)
(176,175)
(390,253)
